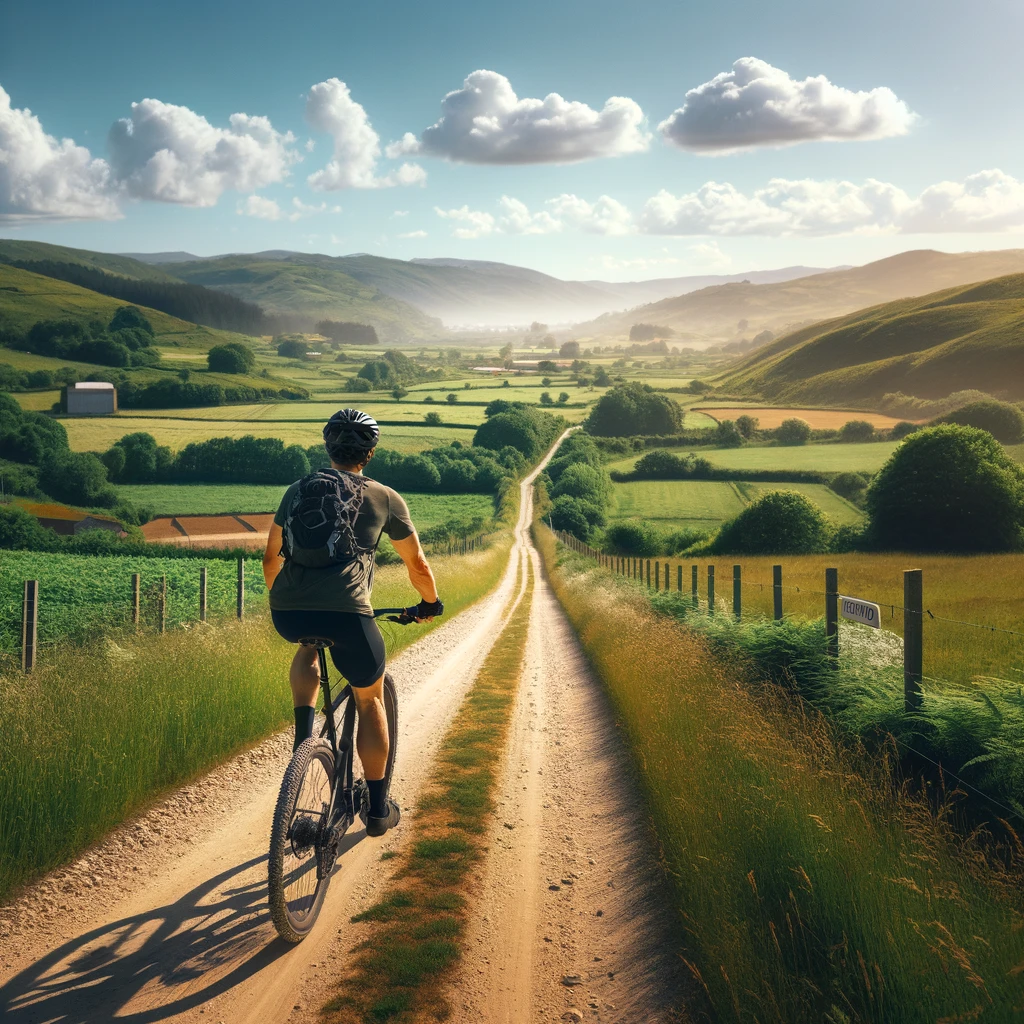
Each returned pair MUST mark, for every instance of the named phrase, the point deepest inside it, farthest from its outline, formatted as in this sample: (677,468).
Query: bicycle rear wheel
(296,888)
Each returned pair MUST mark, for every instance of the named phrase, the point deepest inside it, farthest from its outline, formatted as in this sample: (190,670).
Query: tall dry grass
(810,891)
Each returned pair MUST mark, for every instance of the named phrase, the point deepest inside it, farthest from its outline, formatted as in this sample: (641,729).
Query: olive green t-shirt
(346,586)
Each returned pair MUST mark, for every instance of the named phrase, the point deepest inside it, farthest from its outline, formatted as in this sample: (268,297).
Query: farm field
(100,433)
(315,412)
(825,458)
(216,499)
(982,589)
(37,401)
(706,504)
(819,419)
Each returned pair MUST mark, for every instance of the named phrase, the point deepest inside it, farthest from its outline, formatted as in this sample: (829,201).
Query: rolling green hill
(714,314)
(14,249)
(965,337)
(303,290)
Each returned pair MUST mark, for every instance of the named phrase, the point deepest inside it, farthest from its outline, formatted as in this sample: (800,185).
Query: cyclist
(319,570)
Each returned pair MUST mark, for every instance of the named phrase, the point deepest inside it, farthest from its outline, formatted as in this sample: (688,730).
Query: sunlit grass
(809,889)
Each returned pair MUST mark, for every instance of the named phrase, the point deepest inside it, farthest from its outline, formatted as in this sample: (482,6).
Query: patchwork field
(215,499)
(706,504)
(100,434)
(819,419)
(826,458)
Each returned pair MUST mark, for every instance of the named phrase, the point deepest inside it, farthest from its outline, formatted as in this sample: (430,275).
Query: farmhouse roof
(93,385)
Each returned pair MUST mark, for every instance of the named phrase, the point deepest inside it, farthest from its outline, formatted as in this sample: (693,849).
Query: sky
(585,140)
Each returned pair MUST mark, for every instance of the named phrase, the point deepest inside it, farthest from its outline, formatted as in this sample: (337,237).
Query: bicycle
(320,800)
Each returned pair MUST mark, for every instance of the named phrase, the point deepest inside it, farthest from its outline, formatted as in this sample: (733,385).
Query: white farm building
(92,398)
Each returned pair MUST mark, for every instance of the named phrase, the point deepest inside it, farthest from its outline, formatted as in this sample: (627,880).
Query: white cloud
(171,154)
(261,207)
(42,178)
(756,104)
(400,213)
(301,209)
(606,216)
(485,122)
(709,256)
(413,234)
(331,109)
(984,202)
(477,223)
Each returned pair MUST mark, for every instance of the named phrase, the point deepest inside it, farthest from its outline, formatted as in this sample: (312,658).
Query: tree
(546,382)
(570,350)
(855,431)
(231,358)
(546,399)
(1005,422)
(634,537)
(511,428)
(634,408)
(902,429)
(601,378)
(563,398)
(292,348)
(568,514)
(728,435)
(345,331)
(451,398)
(583,481)
(948,488)
(505,383)
(850,486)
(79,478)
(777,523)
(19,530)
(398,392)
(129,317)
(793,431)
(546,366)
(507,351)
(747,425)
(700,387)
(432,419)
(538,328)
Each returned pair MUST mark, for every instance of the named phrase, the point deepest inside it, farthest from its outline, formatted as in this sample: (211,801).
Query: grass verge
(810,889)
(399,967)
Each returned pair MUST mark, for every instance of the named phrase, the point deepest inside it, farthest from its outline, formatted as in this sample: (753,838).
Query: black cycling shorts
(357,650)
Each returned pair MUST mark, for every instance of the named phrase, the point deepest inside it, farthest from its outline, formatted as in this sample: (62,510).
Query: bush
(563,397)
(902,429)
(20,531)
(362,385)
(546,399)
(568,514)
(948,488)
(747,425)
(78,478)
(231,358)
(633,537)
(793,431)
(854,431)
(509,428)
(432,419)
(578,480)
(778,523)
(1005,422)
(451,398)
(292,348)
(634,408)
(851,486)
(728,435)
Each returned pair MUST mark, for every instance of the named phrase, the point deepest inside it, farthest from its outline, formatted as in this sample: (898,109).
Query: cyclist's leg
(372,740)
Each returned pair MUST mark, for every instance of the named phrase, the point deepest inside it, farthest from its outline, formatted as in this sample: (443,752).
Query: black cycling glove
(428,609)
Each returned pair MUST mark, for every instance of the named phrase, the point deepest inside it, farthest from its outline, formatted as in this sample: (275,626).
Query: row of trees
(127,340)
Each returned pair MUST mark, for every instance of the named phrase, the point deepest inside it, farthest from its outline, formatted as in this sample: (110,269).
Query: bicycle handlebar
(400,615)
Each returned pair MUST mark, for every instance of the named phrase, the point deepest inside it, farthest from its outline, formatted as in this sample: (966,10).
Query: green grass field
(100,433)
(706,504)
(825,458)
(37,401)
(212,499)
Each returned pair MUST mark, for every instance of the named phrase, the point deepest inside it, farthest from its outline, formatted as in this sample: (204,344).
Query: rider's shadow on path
(151,966)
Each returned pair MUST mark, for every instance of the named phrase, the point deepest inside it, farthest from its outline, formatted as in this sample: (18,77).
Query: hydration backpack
(319,528)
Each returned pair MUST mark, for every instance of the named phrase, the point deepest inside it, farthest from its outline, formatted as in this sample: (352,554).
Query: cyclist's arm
(420,574)
(272,560)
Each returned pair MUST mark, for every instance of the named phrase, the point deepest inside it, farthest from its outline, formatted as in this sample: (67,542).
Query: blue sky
(922,94)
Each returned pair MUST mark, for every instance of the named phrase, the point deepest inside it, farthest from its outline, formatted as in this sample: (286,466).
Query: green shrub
(728,435)
(948,488)
(579,480)
(633,537)
(568,514)
(778,523)
(1005,422)
(432,419)
(231,358)
(793,431)
(856,431)
(634,408)
(851,486)
(747,425)
(903,429)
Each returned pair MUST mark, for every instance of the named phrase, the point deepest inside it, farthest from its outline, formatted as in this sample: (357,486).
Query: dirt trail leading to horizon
(167,919)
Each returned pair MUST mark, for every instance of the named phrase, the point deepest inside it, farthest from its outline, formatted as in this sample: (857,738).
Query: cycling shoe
(378,826)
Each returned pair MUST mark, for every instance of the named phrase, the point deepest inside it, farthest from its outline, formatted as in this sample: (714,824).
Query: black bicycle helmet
(350,435)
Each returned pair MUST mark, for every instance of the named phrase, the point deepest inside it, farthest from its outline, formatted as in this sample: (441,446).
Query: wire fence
(958,650)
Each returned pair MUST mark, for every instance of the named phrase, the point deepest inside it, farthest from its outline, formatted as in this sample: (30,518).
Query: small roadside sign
(856,610)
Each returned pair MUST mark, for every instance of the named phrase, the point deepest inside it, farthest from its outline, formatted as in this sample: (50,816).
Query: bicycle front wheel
(295,882)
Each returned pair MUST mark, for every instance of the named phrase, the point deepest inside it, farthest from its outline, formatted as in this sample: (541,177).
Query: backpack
(319,527)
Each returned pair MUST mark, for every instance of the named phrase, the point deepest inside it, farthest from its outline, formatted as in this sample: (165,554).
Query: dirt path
(569,921)
(167,919)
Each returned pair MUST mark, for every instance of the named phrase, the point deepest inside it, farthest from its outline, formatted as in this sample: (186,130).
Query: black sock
(378,798)
(303,725)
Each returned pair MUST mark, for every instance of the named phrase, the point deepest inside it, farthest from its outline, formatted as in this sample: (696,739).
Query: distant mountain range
(969,336)
(728,311)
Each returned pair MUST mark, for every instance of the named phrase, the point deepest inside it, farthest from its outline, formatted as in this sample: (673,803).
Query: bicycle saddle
(315,641)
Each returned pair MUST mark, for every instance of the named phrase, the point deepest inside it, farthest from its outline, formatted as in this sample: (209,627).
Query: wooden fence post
(777,591)
(913,638)
(679,579)
(693,586)
(648,574)
(737,592)
(29,625)
(657,574)
(711,590)
(202,594)
(136,587)
(832,614)
(240,599)
(162,603)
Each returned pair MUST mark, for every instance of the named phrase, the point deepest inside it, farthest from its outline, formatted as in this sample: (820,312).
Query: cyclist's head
(350,437)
